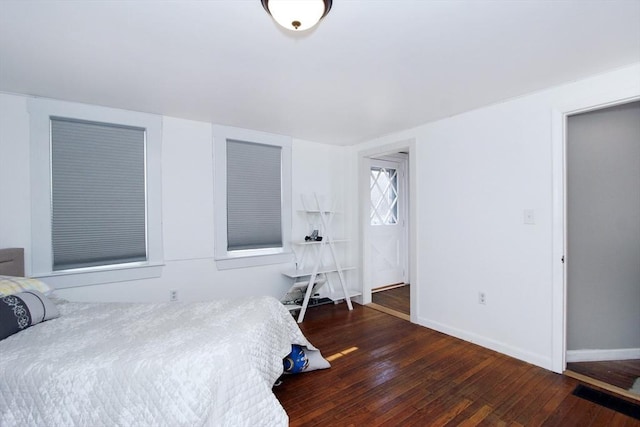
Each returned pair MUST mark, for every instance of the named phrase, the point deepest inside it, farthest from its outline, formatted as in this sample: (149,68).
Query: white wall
(187,211)
(475,174)
(15,195)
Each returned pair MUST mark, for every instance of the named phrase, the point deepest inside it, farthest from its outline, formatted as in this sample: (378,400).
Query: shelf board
(292,307)
(304,283)
(338,295)
(301,243)
(313,302)
(293,273)
(324,211)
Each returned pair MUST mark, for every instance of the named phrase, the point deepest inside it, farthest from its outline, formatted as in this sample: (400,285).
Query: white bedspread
(167,364)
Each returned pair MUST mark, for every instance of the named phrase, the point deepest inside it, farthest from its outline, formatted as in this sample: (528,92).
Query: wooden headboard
(12,262)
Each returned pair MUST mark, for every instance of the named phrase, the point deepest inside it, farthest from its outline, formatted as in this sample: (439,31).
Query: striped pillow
(23,310)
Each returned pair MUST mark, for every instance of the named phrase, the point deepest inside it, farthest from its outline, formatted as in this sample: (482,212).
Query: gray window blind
(98,194)
(254,196)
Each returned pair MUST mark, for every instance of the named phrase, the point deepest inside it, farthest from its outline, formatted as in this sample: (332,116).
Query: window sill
(100,275)
(228,263)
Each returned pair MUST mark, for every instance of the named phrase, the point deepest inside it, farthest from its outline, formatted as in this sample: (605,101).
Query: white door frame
(364,194)
(559,219)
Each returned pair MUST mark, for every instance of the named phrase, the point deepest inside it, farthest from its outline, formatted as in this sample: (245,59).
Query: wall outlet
(173,295)
(482,298)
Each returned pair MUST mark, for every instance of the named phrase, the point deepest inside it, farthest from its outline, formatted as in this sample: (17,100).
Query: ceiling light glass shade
(297,15)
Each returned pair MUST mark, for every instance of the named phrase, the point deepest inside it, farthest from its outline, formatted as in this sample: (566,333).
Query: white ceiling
(370,68)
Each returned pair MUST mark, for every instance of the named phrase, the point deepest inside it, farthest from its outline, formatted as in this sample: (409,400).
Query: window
(97,194)
(253,198)
(384,196)
(96,205)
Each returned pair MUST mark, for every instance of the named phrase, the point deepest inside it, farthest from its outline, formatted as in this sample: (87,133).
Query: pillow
(10,285)
(22,310)
(302,359)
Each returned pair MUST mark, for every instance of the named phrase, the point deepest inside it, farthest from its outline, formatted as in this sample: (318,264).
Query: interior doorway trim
(364,157)
(559,229)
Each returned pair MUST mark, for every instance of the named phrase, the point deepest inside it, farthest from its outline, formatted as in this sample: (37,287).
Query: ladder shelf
(310,278)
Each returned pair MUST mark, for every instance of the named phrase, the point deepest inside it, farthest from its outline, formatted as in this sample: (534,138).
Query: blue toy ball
(296,361)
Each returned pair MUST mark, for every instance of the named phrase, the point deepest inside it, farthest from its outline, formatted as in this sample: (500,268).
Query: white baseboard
(518,353)
(603,355)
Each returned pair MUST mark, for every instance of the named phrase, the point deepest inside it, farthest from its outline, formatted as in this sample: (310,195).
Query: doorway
(386,233)
(602,224)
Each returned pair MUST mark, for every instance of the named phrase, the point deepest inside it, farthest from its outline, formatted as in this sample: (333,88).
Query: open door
(603,247)
(387,222)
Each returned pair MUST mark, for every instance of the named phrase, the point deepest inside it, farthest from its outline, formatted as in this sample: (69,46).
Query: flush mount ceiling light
(297,15)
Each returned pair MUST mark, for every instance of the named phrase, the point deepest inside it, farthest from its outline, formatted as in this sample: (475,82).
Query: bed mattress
(210,363)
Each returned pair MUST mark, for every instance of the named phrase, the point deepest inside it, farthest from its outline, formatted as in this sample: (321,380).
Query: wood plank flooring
(396,299)
(387,371)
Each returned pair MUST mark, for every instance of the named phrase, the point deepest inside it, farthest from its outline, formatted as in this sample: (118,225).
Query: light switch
(529,217)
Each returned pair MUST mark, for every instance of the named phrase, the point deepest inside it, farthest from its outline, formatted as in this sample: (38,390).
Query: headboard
(12,262)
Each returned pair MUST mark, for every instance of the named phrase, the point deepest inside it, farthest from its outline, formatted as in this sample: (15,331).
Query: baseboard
(388,287)
(500,347)
(603,355)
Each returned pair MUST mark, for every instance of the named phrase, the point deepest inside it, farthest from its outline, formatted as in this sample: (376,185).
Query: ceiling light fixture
(297,15)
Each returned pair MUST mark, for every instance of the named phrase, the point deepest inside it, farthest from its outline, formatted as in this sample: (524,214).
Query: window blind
(98,194)
(254,196)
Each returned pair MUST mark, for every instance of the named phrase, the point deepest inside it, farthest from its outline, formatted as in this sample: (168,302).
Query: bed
(208,363)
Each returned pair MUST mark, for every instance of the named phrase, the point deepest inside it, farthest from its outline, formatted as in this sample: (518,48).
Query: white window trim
(40,111)
(252,257)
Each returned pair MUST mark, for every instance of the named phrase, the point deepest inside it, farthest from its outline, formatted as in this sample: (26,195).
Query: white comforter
(167,364)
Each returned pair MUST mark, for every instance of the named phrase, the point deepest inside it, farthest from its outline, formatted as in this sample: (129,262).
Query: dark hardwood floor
(387,371)
(619,373)
(396,299)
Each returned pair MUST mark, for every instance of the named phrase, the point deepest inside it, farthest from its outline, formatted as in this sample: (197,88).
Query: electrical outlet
(173,295)
(482,298)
